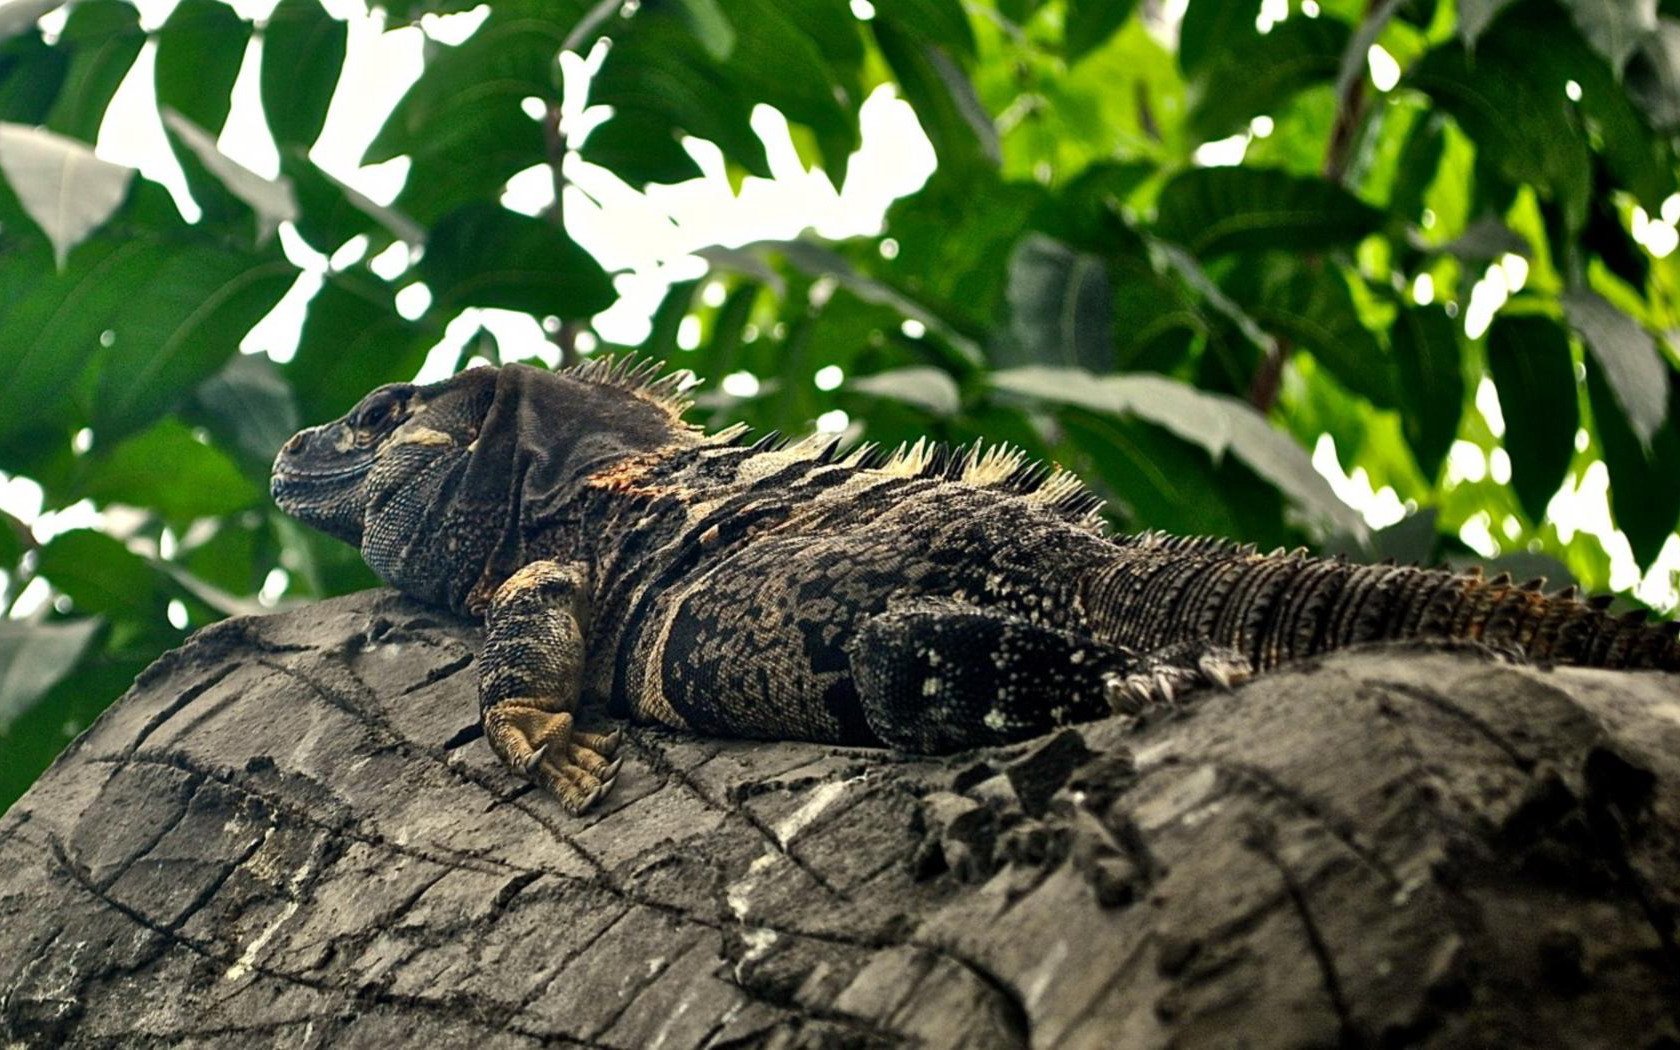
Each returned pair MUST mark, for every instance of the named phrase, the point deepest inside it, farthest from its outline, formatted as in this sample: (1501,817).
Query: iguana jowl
(931,600)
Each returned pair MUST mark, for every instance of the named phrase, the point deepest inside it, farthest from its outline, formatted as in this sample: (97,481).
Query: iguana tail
(1282,606)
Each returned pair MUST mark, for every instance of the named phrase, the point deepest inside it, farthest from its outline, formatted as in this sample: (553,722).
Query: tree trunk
(289,831)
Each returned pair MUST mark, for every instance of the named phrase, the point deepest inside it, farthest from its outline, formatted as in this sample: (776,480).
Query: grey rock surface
(288,833)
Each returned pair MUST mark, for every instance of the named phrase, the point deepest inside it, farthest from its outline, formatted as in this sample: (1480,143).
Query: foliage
(1075,278)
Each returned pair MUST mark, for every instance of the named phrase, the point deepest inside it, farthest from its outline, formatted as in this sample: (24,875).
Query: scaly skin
(932,599)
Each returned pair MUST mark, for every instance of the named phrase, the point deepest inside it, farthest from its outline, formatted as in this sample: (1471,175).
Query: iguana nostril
(295,443)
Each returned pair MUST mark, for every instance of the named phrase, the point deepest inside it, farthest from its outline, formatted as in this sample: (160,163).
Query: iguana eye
(379,412)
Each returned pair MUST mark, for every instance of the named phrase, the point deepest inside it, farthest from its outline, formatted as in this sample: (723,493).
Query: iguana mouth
(282,474)
(317,496)
(292,488)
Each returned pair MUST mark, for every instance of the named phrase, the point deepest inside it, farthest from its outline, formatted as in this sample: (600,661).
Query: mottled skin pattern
(932,600)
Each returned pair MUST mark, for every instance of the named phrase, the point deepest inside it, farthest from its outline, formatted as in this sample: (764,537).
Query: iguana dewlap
(931,599)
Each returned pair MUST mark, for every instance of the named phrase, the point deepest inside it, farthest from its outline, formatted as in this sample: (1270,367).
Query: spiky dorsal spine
(643,377)
(1001,468)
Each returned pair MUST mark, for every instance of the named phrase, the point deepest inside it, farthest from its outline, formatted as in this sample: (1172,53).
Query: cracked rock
(288,832)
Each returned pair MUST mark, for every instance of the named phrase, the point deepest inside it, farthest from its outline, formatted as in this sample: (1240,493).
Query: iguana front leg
(530,676)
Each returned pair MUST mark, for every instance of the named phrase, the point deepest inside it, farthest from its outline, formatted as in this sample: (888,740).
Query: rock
(290,831)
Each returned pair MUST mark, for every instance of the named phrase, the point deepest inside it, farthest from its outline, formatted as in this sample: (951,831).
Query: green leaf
(661,343)
(271,200)
(1644,500)
(1216,423)
(1216,210)
(462,123)
(1089,23)
(1474,16)
(1653,77)
(1529,360)
(816,261)
(942,95)
(727,327)
(321,566)
(1196,279)
(1417,166)
(484,255)
(1509,97)
(952,237)
(236,557)
(1239,84)
(103,38)
(711,27)
(62,186)
(930,389)
(1605,236)
(805,61)
(249,408)
(1158,318)
(642,147)
(1429,362)
(353,340)
(167,469)
(939,23)
(52,325)
(101,575)
(1644,162)
(1154,479)
(1633,368)
(1212,28)
(664,79)
(1310,303)
(47,334)
(1060,306)
(410,12)
(1121,103)
(302,55)
(199,51)
(13,536)
(1615,28)
(34,657)
(182,319)
(31,73)
(1482,242)
(662,85)
(331,213)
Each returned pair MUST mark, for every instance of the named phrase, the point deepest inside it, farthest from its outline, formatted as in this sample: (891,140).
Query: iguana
(931,599)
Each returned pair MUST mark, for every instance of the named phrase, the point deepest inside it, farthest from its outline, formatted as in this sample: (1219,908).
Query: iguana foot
(1162,677)
(574,766)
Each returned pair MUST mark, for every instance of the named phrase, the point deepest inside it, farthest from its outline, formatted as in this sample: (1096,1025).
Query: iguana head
(443,486)
(327,476)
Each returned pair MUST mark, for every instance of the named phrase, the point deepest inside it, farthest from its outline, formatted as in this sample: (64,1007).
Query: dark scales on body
(928,599)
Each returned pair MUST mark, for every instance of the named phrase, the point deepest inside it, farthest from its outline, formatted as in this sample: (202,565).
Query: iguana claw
(1162,677)
(571,764)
